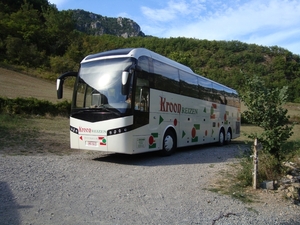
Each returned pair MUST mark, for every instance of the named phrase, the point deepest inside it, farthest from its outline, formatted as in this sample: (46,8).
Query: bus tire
(228,137)
(169,143)
(221,138)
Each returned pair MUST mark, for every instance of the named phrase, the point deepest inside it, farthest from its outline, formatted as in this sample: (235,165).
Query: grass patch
(293,112)
(231,184)
(250,209)
(235,191)
(20,135)
(17,131)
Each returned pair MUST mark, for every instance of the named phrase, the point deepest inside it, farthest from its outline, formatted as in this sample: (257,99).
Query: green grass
(17,131)
(15,84)
(250,209)
(293,111)
(30,135)
(231,186)
(235,192)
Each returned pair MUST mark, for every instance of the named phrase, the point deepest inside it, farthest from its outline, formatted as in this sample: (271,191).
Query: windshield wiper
(108,109)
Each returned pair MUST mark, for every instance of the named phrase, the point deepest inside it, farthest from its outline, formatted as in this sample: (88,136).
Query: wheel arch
(222,128)
(172,129)
(169,141)
(229,130)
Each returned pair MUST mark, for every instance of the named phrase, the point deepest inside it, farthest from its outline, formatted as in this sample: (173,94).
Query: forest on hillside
(35,34)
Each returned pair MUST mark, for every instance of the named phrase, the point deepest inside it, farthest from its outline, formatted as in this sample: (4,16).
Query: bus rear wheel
(169,143)
(221,138)
(228,138)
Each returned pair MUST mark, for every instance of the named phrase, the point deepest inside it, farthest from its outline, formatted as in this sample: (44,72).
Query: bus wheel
(228,138)
(221,137)
(169,143)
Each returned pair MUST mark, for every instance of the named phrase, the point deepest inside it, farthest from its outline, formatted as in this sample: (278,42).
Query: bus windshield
(99,84)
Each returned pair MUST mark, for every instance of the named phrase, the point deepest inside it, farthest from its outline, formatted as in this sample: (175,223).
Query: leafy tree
(62,64)
(17,51)
(9,6)
(181,57)
(59,27)
(13,45)
(264,109)
(26,24)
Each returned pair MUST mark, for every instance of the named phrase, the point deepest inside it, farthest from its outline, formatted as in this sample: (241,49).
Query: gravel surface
(96,188)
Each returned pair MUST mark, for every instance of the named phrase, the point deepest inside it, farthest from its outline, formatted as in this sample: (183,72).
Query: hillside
(36,35)
(14,84)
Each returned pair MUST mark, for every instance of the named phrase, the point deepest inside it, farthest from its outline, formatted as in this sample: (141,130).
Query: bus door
(141,115)
(141,103)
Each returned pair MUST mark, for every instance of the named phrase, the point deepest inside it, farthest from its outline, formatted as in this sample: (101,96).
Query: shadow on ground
(189,155)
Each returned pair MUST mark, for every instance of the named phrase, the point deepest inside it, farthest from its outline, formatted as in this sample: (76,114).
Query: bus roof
(136,53)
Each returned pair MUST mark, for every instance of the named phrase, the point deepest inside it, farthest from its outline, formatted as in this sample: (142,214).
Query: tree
(26,24)
(59,27)
(10,6)
(265,110)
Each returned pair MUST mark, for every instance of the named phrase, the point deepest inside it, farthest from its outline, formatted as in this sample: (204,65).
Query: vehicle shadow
(209,153)
(8,206)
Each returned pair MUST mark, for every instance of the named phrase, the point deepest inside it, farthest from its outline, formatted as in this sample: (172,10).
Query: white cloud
(58,2)
(124,15)
(158,14)
(173,10)
(270,22)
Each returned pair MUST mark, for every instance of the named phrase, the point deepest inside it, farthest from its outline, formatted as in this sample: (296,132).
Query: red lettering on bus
(85,130)
(169,106)
(162,104)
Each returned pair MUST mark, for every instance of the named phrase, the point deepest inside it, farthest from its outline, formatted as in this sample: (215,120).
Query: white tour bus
(134,100)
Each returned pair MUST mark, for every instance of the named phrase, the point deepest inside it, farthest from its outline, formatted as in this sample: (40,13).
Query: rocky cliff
(94,24)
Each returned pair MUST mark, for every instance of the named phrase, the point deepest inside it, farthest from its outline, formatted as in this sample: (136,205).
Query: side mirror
(125,82)
(59,87)
(60,82)
(125,76)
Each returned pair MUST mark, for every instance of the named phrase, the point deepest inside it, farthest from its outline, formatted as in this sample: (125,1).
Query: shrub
(244,174)
(267,168)
(265,110)
(33,106)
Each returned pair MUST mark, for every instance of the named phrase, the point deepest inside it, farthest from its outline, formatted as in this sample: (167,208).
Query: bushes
(268,168)
(33,106)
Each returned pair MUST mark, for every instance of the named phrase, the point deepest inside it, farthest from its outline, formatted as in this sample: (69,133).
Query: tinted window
(217,93)
(205,87)
(188,84)
(166,77)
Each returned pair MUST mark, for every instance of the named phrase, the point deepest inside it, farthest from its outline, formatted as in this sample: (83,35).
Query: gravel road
(96,188)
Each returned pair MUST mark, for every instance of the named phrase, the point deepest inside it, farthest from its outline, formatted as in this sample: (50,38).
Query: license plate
(91,143)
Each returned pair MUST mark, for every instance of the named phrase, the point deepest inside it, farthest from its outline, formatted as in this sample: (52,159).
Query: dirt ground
(84,187)
(14,84)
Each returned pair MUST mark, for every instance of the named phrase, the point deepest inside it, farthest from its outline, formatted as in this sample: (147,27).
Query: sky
(261,22)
